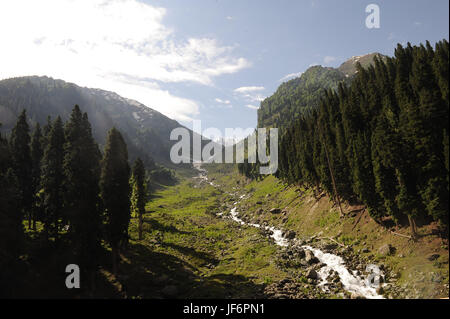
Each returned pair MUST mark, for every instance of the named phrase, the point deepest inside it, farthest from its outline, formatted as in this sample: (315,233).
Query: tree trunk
(336,195)
(412,224)
(140,226)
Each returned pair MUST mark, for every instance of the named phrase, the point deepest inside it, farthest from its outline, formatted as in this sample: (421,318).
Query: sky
(208,60)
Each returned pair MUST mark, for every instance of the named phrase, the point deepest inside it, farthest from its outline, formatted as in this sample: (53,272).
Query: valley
(246,157)
(195,247)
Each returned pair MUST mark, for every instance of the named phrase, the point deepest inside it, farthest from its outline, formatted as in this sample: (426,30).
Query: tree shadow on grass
(227,286)
(154,224)
(155,275)
(207,258)
(143,273)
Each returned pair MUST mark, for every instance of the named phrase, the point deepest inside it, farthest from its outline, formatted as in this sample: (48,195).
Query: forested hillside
(297,97)
(145,130)
(301,95)
(384,138)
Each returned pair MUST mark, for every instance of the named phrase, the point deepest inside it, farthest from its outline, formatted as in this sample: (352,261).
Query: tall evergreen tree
(36,157)
(115,192)
(81,203)
(138,193)
(53,180)
(22,164)
(11,228)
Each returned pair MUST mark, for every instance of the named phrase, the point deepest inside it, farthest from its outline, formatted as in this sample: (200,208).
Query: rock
(365,250)
(170,291)
(285,219)
(386,250)
(320,265)
(380,290)
(312,274)
(330,246)
(300,253)
(275,210)
(310,258)
(433,257)
(290,234)
(258,203)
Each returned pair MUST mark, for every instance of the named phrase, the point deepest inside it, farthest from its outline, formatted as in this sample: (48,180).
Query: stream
(359,285)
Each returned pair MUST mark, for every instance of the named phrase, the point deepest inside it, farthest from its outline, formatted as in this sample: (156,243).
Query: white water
(351,282)
(202,174)
(276,234)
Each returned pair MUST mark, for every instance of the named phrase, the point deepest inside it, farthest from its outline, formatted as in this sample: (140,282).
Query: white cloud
(290,76)
(222,101)
(247,89)
(229,18)
(118,45)
(328,59)
(250,93)
(254,107)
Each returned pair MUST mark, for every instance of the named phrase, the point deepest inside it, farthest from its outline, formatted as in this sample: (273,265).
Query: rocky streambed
(318,266)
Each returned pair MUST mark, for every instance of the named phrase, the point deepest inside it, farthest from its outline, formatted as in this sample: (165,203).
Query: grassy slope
(187,246)
(308,216)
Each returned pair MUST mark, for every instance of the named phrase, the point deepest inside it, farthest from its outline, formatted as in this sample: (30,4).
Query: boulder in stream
(312,274)
(290,234)
(310,258)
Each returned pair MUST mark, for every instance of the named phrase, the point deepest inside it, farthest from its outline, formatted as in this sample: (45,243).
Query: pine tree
(53,180)
(426,134)
(115,192)
(22,165)
(36,157)
(384,154)
(409,123)
(11,228)
(81,202)
(138,194)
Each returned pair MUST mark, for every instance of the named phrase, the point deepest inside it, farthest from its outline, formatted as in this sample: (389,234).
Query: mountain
(297,96)
(145,130)
(349,66)
(301,95)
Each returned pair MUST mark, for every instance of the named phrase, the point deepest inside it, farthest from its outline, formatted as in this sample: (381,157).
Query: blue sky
(212,60)
(286,37)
